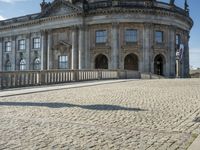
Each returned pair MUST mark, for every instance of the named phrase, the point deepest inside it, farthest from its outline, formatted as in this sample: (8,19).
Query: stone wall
(74,36)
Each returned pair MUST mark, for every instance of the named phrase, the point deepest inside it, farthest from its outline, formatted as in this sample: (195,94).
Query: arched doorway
(131,62)
(159,62)
(101,62)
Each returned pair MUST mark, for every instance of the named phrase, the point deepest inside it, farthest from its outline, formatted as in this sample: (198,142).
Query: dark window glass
(21,44)
(8,46)
(37,64)
(131,35)
(8,66)
(22,65)
(178,39)
(36,43)
(101,36)
(63,62)
(159,37)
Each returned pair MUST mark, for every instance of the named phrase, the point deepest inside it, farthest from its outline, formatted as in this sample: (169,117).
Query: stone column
(28,51)
(87,50)
(74,58)
(172,51)
(115,46)
(81,52)
(147,46)
(49,51)
(186,63)
(43,51)
(1,54)
(13,57)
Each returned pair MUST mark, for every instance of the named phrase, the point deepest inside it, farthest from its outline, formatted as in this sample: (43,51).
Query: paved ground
(141,114)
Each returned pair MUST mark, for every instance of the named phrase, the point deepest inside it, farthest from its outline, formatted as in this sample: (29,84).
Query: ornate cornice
(161,12)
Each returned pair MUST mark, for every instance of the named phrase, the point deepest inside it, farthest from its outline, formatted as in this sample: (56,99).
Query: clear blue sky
(13,8)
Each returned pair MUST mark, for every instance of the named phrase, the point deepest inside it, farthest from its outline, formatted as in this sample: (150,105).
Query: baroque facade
(94,34)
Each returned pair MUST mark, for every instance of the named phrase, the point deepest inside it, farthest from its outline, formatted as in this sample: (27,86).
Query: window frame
(8,65)
(159,39)
(22,65)
(8,46)
(22,46)
(101,36)
(37,64)
(131,37)
(63,62)
(36,43)
(178,39)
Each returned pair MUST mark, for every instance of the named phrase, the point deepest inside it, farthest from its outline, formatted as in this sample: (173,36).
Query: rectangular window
(159,37)
(63,62)
(178,39)
(21,44)
(36,43)
(8,46)
(131,35)
(101,36)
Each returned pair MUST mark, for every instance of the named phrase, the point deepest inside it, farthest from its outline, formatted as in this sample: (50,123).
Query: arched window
(101,62)
(36,64)
(131,62)
(22,65)
(159,65)
(8,66)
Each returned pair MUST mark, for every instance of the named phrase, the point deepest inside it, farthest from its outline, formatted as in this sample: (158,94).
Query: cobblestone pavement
(141,114)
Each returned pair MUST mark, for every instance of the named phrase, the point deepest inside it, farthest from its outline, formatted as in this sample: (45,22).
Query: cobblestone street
(140,114)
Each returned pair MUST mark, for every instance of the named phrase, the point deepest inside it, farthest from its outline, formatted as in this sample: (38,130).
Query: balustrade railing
(34,78)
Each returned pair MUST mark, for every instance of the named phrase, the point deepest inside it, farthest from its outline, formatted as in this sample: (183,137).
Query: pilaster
(115,46)
(147,47)
(43,50)
(74,63)
(49,50)
(186,63)
(28,50)
(172,51)
(1,54)
(87,48)
(13,57)
(81,49)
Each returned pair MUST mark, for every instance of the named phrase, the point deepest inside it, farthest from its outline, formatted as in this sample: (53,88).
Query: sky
(15,8)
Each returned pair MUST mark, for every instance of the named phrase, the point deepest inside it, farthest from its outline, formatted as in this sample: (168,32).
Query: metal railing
(16,79)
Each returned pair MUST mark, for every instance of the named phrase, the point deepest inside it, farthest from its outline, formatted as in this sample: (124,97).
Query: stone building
(141,35)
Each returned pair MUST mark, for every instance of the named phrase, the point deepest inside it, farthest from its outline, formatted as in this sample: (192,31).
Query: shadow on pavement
(197,119)
(63,105)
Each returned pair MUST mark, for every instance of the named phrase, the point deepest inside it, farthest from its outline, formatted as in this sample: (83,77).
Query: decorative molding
(161,12)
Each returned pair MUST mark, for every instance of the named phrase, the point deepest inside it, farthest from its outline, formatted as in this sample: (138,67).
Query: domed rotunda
(141,35)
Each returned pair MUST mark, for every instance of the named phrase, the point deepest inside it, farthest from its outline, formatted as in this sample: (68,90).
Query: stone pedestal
(74,58)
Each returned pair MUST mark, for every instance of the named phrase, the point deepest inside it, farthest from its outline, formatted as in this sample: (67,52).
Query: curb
(31,90)
(195,145)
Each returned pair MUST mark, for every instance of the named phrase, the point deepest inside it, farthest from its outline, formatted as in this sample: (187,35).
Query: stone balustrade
(16,79)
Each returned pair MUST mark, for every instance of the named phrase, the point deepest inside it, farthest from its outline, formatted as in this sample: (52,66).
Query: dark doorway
(131,62)
(101,62)
(159,65)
